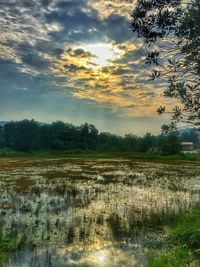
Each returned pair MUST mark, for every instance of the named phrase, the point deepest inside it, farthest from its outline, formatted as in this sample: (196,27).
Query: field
(81,212)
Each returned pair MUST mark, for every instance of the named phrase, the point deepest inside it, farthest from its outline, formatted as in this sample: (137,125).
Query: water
(72,212)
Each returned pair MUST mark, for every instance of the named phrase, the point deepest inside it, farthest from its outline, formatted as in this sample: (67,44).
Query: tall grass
(8,244)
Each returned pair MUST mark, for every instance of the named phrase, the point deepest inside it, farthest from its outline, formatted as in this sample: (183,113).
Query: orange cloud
(118,85)
(105,8)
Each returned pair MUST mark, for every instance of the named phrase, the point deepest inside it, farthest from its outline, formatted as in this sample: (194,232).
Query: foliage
(27,136)
(185,237)
(117,228)
(1,137)
(169,144)
(21,135)
(171,29)
(187,231)
(176,257)
(8,245)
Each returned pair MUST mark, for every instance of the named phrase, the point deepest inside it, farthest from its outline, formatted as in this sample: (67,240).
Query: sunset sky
(76,61)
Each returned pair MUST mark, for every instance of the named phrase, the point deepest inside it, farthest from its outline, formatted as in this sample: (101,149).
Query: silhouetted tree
(88,136)
(170,144)
(170,29)
(47,138)
(21,135)
(130,142)
(2,141)
(29,135)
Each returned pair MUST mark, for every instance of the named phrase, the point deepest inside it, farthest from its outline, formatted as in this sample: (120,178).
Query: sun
(102,54)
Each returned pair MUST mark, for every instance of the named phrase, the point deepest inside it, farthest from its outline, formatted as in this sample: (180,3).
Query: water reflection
(90,213)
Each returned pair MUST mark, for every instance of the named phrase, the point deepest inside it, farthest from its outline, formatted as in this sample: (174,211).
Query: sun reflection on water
(101,257)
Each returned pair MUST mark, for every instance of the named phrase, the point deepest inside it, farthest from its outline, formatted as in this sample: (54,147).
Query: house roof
(187,143)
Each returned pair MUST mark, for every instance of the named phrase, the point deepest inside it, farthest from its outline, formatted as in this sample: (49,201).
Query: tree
(28,135)
(21,135)
(110,142)
(2,141)
(47,139)
(170,30)
(169,144)
(146,143)
(60,137)
(130,142)
(88,136)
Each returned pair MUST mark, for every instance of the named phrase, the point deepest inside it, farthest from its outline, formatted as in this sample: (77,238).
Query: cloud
(118,86)
(106,8)
(47,42)
(73,68)
(117,28)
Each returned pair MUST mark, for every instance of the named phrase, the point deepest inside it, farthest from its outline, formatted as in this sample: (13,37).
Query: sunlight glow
(102,54)
(101,257)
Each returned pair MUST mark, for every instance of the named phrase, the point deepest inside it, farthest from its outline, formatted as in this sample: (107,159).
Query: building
(187,146)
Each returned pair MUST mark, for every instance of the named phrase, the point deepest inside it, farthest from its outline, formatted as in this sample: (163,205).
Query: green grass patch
(11,153)
(175,257)
(185,240)
(187,232)
(148,156)
(8,245)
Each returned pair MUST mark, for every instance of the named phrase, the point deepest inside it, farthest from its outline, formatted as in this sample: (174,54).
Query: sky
(76,61)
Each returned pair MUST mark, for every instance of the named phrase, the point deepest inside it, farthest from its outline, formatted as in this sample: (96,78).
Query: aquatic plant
(66,205)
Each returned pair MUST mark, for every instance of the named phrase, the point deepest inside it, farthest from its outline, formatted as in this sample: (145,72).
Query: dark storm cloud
(79,52)
(73,68)
(78,25)
(46,3)
(117,28)
(121,71)
(70,4)
(30,56)
(11,79)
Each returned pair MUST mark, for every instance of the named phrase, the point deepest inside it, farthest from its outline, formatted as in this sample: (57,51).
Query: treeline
(29,135)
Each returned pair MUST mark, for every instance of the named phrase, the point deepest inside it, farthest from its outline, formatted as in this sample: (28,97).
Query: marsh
(81,212)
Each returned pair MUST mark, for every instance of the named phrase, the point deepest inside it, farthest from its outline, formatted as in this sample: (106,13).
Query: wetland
(81,212)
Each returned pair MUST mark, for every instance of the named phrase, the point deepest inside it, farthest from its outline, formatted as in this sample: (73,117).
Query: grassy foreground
(183,251)
(6,153)
(185,243)
(8,245)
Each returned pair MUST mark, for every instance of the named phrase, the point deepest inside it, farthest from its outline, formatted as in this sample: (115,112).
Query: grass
(8,245)
(187,232)
(153,219)
(141,223)
(175,257)
(185,239)
(11,153)
(150,156)
(116,226)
